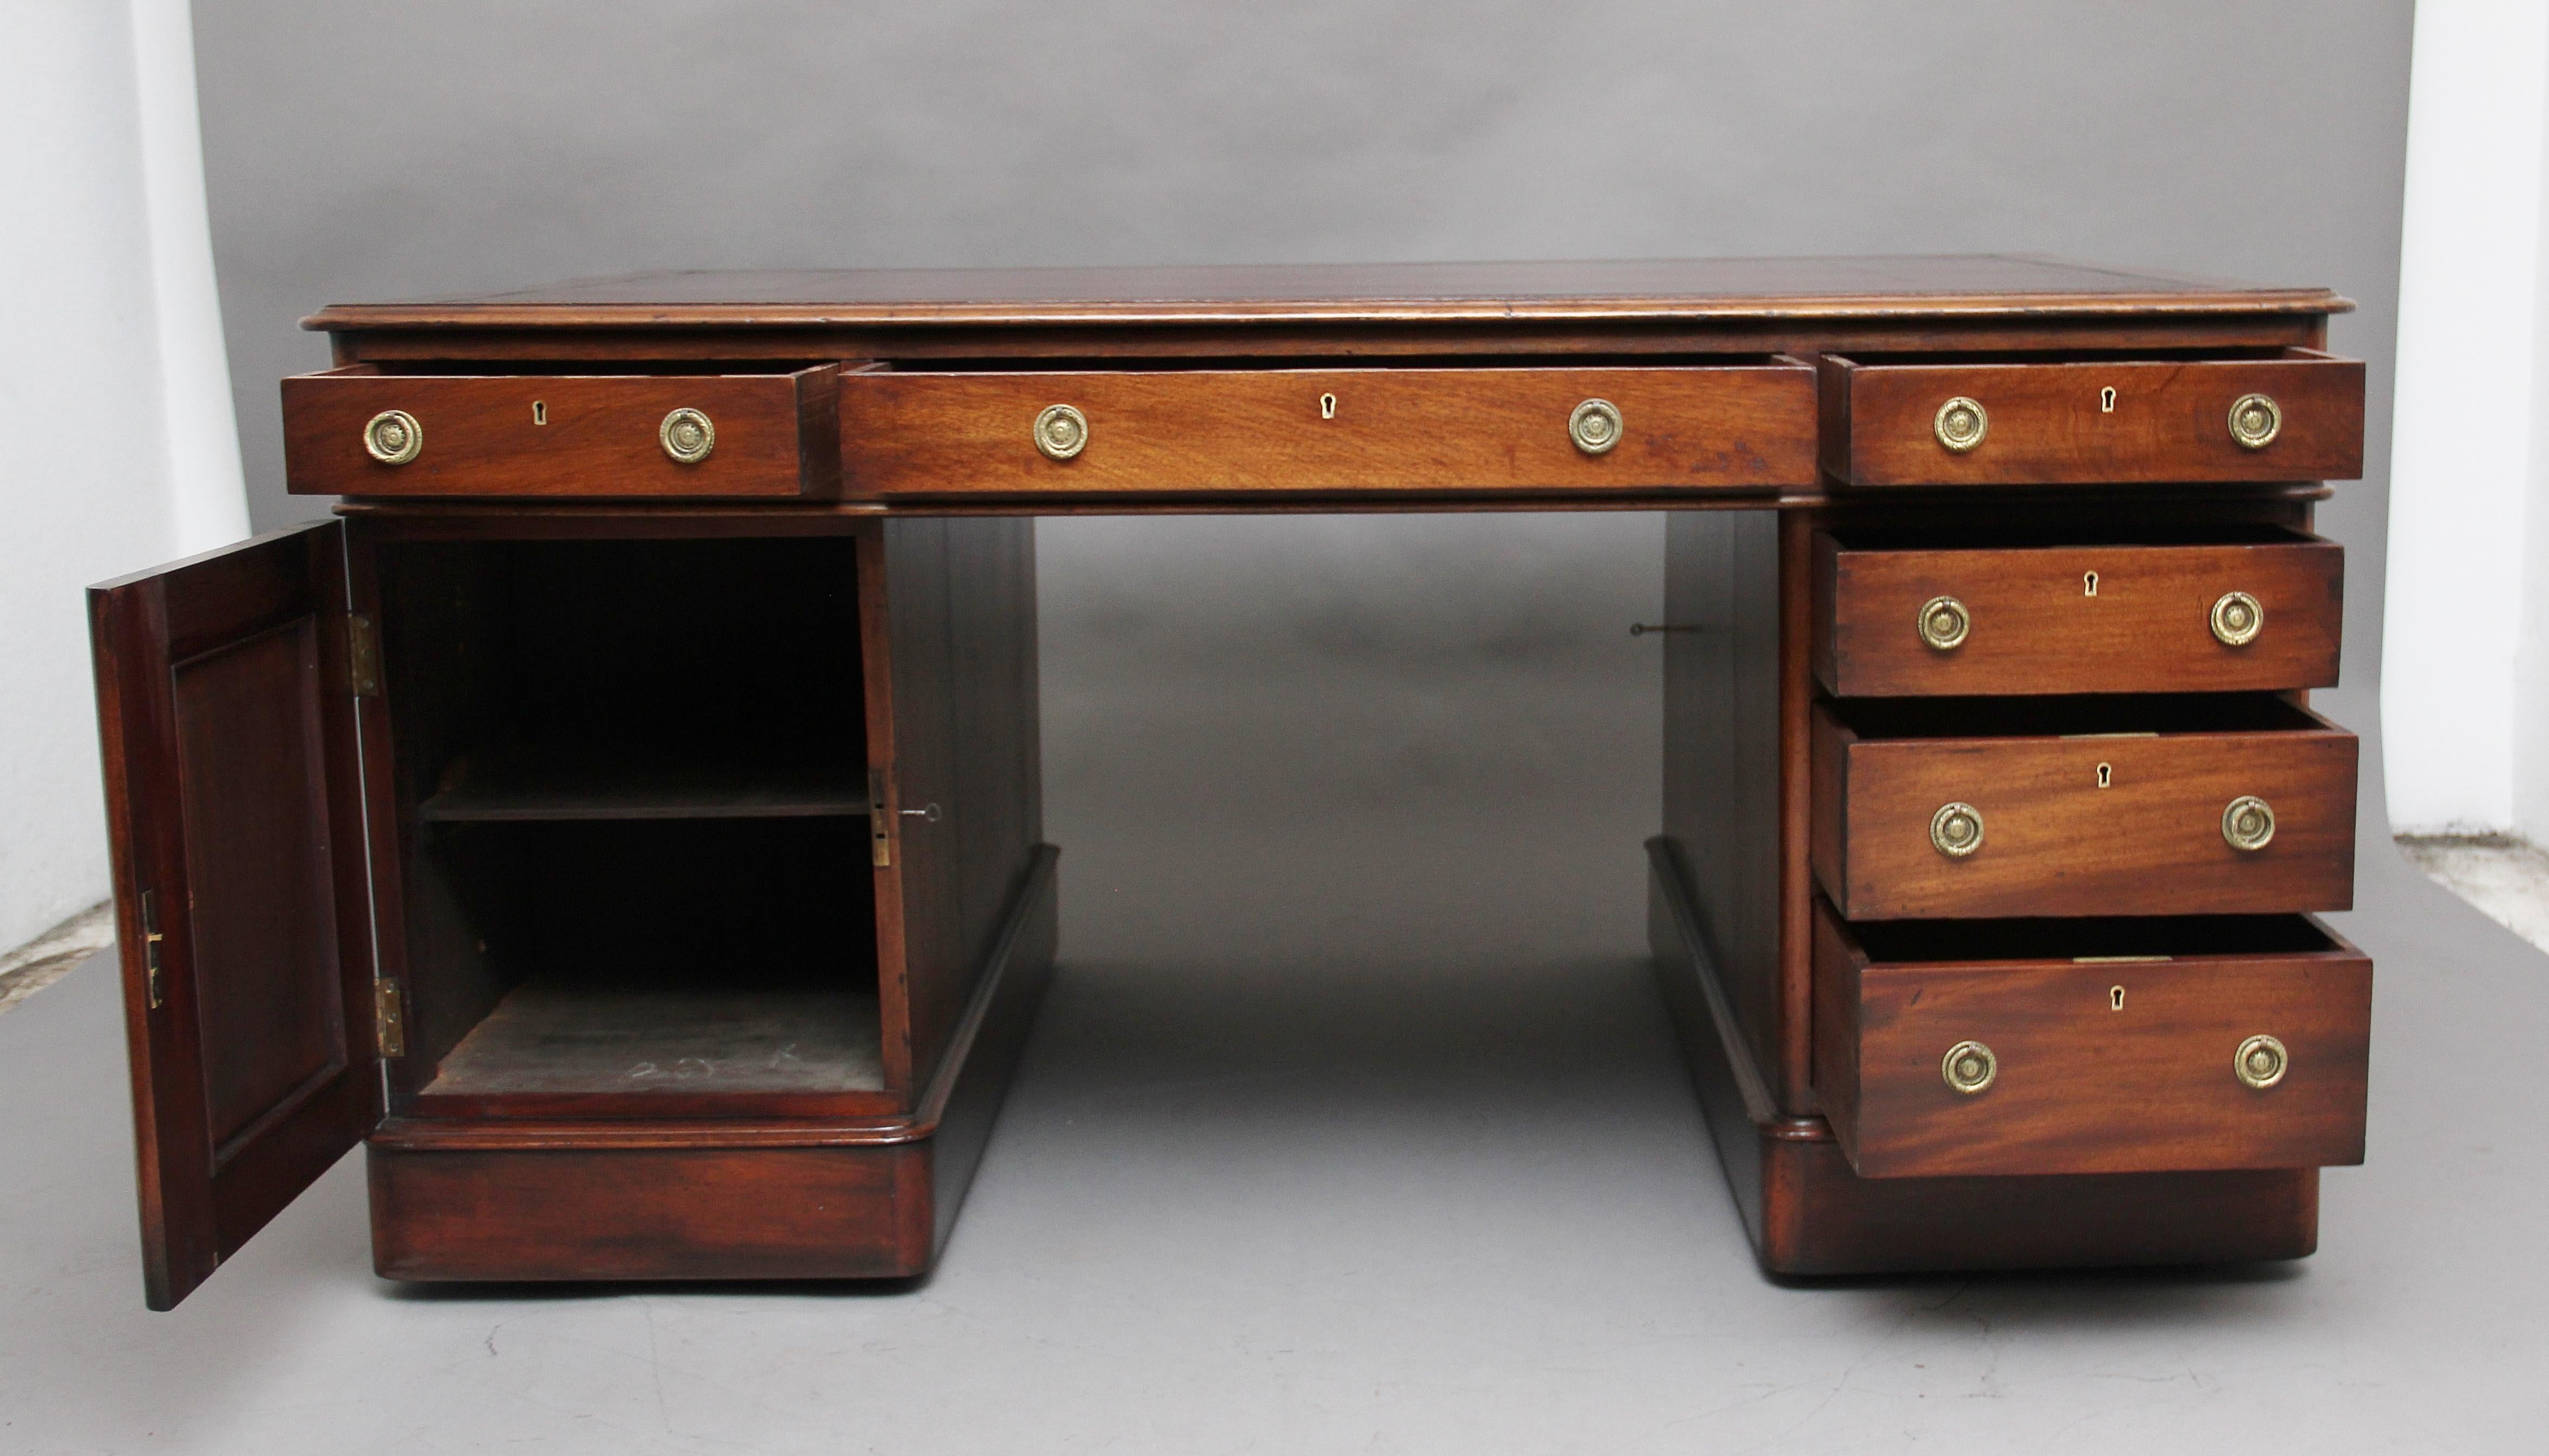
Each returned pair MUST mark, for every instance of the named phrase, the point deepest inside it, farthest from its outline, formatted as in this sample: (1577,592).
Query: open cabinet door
(226,702)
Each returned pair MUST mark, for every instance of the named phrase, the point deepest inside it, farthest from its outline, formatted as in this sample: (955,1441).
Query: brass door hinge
(880,823)
(389,1018)
(150,951)
(363,655)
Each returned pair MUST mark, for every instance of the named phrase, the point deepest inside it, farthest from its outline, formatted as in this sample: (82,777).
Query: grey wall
(1375,726)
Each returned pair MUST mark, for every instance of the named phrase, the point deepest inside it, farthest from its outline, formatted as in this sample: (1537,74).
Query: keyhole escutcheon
(2107,400)
(2105,775)
(2115,998)
(2088,584)
(1327,406)
(539,411)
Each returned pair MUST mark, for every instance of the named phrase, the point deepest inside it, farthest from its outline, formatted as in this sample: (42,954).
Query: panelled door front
(226,702)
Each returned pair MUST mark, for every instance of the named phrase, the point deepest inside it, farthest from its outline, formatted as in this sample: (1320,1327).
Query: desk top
(1986,286)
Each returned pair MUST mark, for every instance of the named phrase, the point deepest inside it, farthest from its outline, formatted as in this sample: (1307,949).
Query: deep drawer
(1171,432)
(2096,1047)
(357,432)
(1937,808)
(2248,609)
(1933,422)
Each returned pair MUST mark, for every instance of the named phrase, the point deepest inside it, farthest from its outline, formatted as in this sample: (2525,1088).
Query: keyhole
(2105,775)
(2115,998)
(1327,406)
(2088,584)
(2107,400)
(539,411)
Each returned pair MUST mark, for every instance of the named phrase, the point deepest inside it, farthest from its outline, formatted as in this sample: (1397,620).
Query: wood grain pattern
(911,741)
(233,802)
(1796,785)
(2086,1085)
(2035,290)
(1214,375)
(2170,420)
(965,1094)
(1722,752)
(2038,629)
(702,693)
(758,1213)
(999,821)
(1820,1220)
(775,434)
(955,621)
(2056,843)
(1193,431)
(699,1198)
(459,519)
(612,339)
(1810,1215)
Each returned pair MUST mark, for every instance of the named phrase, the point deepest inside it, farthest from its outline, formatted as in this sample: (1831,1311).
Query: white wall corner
(208,491)
(2466,451)
(2530,746)
(118,353)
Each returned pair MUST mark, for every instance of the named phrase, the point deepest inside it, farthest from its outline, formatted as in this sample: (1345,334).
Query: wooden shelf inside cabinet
(550,786)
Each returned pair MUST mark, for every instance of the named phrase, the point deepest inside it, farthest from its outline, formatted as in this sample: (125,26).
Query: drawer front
(2100,1067)
(2078,619)
(2056,423)
(1193,431)
(2152,841)
(607,437)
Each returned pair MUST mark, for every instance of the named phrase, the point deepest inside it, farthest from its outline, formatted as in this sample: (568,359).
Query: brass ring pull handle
(2237,618)
(1061,431)
(686,435)
(2261,1062)
(2255,420)
(1961,423)
(1595,427)
(393,437)
(1969,1067)
(1956,830)
(2248,823)
(1944,622)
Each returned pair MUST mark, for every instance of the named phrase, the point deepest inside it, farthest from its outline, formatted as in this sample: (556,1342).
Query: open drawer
(2090,1046)
(2295,415)
(2219,608)
(358,431)
(1740,423)
(1944,808)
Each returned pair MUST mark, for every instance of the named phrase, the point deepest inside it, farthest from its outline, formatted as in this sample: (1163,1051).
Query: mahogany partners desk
(625,816)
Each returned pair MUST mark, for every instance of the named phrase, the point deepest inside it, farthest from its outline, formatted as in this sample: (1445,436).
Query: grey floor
(2507,878)
(1249,1196)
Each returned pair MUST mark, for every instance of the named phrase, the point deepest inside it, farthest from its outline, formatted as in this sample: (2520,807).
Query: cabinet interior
(634,798)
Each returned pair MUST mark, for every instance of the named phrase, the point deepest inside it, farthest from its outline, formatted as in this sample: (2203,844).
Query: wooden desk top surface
(1988,286)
